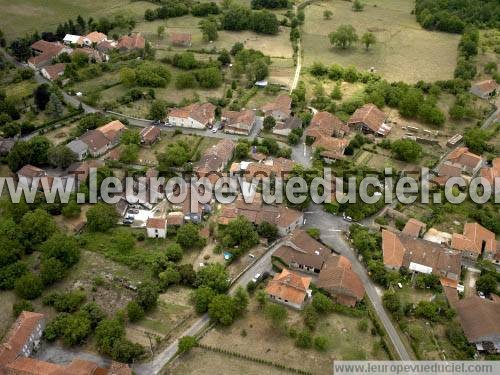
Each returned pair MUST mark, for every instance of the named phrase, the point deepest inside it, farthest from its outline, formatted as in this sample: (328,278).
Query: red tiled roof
(56,70)
(413,227)
(485,87)
(371,116)
(150,134)
(478,234)
(156,223)
(136,41)
(462,156)
(324,123)
(30,171)
(282,103)
(289,286)
(337,277)
(479,318)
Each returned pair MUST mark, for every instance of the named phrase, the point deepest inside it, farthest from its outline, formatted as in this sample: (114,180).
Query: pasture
(404,51)
(21,17)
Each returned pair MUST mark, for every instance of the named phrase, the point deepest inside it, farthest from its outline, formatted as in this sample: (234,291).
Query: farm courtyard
(403,52)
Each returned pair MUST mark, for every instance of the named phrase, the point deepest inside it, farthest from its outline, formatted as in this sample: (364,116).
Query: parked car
(156,122)
(256,278)
(128,221)
(346,218)
(214,130)
(251,256)
(133,211)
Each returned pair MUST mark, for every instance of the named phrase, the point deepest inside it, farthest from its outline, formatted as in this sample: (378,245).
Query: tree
(240,300)
(61,156)
(62,247)
(368,39)
(126,351)
(185,80)
(52,270)
(129,154)
(158,110)
(19,307)
(269,122)
(314,232)
(65,302)
(268,230)
(188,274)
(224,57)
(222,309)
(147,295)
(29,286)
(174,252)
(128,77)
(107,332)
(241,151)
(327,14)
(344,36)
(357,6)
(94,312)
(202,298)
(261,298)
(160,31)
(304,339)
(322,304)
(311,317)
(209,78)
(487,283)
(476,140)
(101,217)
(189,238)
(169,277)
(336,92)
(391,302)
(240,233)
(213,276)
(42,96)
(208,28)
(186,343)
(134,311)
(320,343)
(54,106)
(130,137)
(406,150)
(36,227)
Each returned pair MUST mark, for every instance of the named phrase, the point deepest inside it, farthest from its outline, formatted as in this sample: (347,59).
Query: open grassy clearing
(26,16)
(404,52)
(271,45)
(200,362)
(263,341)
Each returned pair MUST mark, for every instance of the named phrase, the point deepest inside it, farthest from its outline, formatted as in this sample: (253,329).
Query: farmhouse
(241,122)
(24,337)
(44,52)
(302,252)
(485,89)
(339,280)
(285,127)
(215,158)
(491,173)
(70,39)
(180,39)
(414,228)
(480,320)
(96,142)
(468,162)
(156,228)
(79,148)
(370,119)
(53,72)
(326,124)
(481,241)
(331,149)
(150,135)
(131,43)
(28,173)
(421,256)
(280,109)
(94,38)
(112,131)
(289,288)
(197,116)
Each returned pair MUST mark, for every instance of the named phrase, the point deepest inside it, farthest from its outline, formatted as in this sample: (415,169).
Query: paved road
(298,68)
(331,234)
(262,265)
(493,117)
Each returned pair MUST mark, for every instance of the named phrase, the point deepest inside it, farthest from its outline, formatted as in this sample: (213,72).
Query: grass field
(263,341)
(20,17)
(404,50)
(200,362)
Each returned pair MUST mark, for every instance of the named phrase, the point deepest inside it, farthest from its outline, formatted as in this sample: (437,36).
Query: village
(152,284)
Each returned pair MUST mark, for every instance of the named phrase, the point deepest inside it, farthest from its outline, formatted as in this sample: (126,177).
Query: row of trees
(238,18)
(454,15)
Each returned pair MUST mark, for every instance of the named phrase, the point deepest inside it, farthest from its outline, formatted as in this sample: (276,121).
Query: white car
(256,277)
(251,256)
(214,130)
(347,218)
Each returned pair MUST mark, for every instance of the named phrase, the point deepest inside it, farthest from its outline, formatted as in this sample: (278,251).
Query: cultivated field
(404,52)
(20,17)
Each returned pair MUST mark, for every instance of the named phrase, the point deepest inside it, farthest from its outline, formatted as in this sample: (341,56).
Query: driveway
(332,228)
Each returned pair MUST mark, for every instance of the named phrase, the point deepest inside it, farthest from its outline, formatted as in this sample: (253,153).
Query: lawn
(254,336)
(26,16)
(404,50)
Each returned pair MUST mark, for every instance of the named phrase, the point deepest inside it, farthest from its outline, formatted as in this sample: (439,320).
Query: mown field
(404,50)
(20,17)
